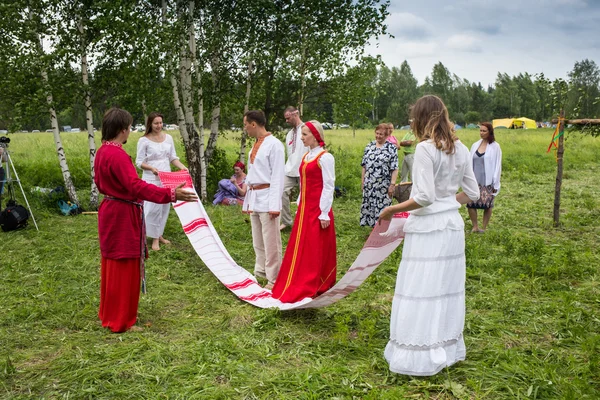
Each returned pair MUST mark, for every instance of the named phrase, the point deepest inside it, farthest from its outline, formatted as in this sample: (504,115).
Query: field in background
(532,327)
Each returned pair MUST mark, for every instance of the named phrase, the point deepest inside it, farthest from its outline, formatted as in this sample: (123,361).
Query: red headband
(240,165)
(315,133)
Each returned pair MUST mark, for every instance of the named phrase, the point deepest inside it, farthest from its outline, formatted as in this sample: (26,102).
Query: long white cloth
(384,239)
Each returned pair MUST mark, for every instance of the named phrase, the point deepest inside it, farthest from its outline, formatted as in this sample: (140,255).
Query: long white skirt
(428,310)
(155,214)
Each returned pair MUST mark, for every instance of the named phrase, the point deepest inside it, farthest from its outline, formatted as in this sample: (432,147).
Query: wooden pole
(559,170)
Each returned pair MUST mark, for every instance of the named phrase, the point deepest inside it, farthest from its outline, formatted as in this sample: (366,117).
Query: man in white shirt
(295,151)
(263,198)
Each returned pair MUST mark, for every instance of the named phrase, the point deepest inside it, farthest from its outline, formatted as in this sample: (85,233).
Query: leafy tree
(441,83)
(527,94)
(404,92)
(506,99)
(472,117)
(584,81)
(354,92)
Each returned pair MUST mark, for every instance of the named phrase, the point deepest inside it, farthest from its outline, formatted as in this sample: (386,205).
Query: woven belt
(260,186)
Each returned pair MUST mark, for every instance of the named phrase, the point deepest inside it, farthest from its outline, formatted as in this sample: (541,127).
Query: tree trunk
(60,151)
(559,170)
(216,111)
(201,152)
(192,144)
(270,76)
(302,78)
(144,110)
(88,118)
(242,156)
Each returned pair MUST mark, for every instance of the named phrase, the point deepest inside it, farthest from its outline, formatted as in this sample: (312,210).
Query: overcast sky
(476,39)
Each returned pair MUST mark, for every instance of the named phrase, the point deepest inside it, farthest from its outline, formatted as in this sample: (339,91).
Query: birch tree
(37,20)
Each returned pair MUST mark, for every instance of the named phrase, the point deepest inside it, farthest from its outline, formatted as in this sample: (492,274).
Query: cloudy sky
(476,39)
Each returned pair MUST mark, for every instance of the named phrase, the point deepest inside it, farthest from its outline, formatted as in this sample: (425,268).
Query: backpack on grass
(13,217)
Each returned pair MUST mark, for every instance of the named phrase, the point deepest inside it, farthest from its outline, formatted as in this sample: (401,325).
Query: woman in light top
(487,165)
(156,153)
(309,264)
(428,309)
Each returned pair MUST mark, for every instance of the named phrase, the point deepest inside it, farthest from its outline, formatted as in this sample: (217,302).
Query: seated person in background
(232,191)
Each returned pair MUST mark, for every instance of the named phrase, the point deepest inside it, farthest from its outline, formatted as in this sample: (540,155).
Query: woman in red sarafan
(120,223)
(309,264)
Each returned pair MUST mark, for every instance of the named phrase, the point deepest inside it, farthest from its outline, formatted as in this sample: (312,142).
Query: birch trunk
(144,110)
(216,111)
(88,118)
(201,155)
(184,108)
(60,151)
(302,80)
(242,156)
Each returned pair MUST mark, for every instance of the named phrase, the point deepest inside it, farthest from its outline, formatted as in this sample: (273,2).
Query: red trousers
(119,293)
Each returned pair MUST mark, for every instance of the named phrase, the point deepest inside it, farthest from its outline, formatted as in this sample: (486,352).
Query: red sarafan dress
(309,264)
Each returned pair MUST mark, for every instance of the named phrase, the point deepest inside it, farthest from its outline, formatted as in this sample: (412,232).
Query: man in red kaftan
(120,222)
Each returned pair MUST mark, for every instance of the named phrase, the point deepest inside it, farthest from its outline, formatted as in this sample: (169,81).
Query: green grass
(532,324)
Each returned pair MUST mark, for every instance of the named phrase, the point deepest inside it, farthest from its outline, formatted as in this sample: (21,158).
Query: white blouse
(158,155)
(437,177)
(295,151)
(327,163)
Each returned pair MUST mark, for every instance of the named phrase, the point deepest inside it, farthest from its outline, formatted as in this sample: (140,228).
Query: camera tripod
(9,181)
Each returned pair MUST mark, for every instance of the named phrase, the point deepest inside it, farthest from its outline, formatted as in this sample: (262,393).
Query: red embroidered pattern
(256,147)
(113,144)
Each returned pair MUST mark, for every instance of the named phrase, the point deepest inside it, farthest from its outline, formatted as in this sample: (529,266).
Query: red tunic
(120,232)
(309,264)
(119,223)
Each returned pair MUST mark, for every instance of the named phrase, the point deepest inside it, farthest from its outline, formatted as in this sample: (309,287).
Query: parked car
(140,128)
(35,130)
(49,130)
(3,132)
(327,125)
(75,130)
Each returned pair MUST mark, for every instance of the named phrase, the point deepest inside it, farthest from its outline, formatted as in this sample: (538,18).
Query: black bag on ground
(13,217)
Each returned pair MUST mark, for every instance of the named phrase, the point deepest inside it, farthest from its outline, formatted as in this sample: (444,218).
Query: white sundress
(159,155)
(428,309)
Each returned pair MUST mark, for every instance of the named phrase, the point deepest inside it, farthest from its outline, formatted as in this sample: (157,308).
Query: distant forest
(203,63)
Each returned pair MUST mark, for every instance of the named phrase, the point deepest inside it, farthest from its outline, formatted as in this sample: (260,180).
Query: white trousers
(289,183)
(266,240)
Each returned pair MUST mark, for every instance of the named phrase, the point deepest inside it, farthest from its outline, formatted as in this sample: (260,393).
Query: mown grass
(532,326)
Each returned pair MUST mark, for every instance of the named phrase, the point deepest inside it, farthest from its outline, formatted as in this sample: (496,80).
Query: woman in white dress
(428,309)
(156,152)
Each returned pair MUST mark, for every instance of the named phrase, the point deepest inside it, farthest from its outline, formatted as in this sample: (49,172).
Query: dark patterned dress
(486,192)
(379,163)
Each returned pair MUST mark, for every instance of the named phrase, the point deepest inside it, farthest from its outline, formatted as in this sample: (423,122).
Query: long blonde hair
(430,120)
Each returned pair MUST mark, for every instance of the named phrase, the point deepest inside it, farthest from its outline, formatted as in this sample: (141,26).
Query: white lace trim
(429,298)
(432,259)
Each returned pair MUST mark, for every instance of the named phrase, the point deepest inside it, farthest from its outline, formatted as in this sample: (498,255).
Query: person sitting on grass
(232,191)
